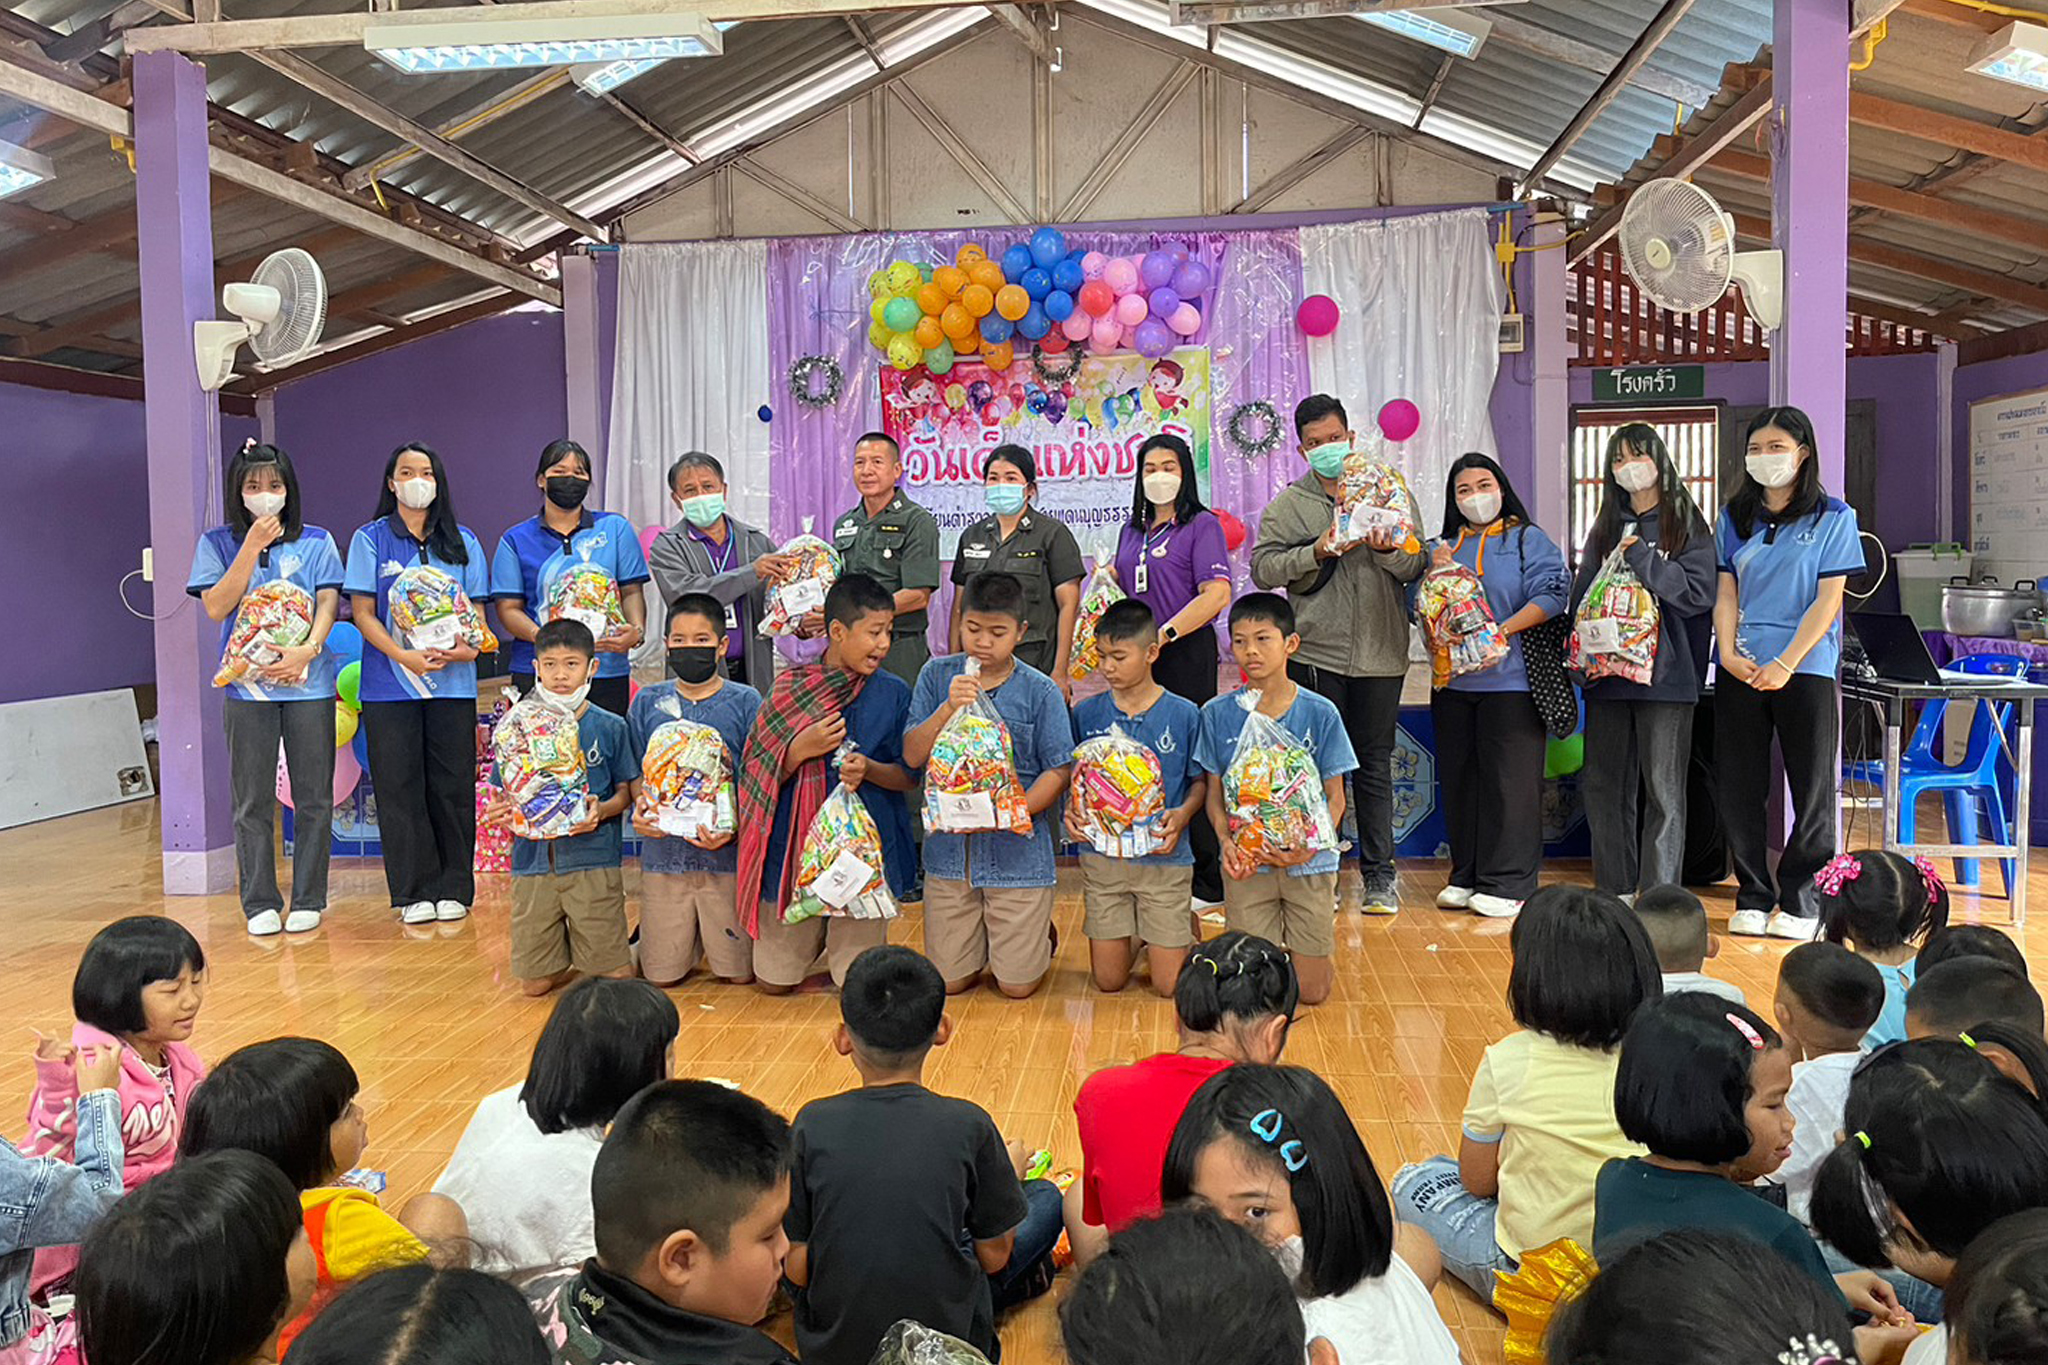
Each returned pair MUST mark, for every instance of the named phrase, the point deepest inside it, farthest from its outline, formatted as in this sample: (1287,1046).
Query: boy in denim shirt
(988,896)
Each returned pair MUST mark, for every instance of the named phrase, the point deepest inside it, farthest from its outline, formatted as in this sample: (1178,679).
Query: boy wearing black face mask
(687,882)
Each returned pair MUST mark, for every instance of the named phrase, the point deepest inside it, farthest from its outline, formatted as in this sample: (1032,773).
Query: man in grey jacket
(1352,611)
(709,551)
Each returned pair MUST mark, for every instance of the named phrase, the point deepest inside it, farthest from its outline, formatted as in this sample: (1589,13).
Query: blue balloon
(345,642)
(1034,324)
(1067,276)
(1059,305)
(361,744)
(1048,244)
(996,329)
(1037,283)
(1016,261)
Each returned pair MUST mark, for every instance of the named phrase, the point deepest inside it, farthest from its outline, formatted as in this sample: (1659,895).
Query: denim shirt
(49,1202)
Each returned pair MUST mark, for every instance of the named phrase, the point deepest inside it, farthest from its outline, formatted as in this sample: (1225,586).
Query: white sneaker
(1749,923)
(419,912)
(1454,898)
(1783,925)
(1202,905)
(450,910)
(1494,907)
(302,921)
(264,923)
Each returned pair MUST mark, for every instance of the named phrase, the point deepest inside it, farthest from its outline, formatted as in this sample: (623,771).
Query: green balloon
(939,358)
(348,685)
(1563,757)
(901,315)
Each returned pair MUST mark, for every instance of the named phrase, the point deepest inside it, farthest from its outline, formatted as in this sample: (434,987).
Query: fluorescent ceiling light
(481,43)
(2017,53)
(21,168)
(601,78)
(1458,32)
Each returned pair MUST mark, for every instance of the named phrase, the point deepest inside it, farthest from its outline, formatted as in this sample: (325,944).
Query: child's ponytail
(1880,900)
(1235,976)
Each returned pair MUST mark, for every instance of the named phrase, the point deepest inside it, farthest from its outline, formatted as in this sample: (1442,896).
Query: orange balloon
(968,344)
(951,279)
(998,357)
(956,321)
(931,300)
(928,333)
(969,254)
(978,300)
(987,274)
(1012,302)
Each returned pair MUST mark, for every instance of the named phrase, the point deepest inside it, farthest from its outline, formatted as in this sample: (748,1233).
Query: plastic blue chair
(1981,785)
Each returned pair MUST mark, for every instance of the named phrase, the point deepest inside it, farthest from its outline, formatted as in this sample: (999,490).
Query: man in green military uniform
(895,542)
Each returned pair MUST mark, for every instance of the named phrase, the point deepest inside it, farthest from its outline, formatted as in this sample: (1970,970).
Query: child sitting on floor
(1827,1000)
(1998,1299)
(423,1315)
(1677,925)
(903,1203)
(1955,996)
(1969,940)
(1883,906)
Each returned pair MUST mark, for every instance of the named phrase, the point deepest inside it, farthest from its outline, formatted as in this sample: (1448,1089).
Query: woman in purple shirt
(1172,558)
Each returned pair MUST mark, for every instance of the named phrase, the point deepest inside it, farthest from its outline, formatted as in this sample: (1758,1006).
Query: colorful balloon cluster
(1040,291)
(345,642)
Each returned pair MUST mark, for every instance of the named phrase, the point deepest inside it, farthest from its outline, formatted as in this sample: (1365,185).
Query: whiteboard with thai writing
(2009,485)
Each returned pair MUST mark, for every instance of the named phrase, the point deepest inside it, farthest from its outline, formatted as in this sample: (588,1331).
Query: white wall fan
(1679,248)
(280,313)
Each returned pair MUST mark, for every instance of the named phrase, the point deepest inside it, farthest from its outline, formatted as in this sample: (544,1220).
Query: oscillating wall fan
(280,312)
(1679,248)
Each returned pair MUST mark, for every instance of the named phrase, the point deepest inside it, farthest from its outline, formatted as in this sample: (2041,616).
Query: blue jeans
(1430,1195)
(1917,1297)
(1030,1270)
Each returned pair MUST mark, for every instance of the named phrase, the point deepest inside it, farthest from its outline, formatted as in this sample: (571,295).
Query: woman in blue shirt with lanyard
(288,701)
(1786,552)
(419,705)
(532,554)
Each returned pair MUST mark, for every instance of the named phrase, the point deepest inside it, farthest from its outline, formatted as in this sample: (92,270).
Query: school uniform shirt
(380,552)
(1684,586)
(351,1236)
(1674,982)
(1635,1201)
(1778,570)
(1517,566)
(898,547)
(1386,1319)
(1550,1107)
(593,1317)
(875,725)
(526,1193)
(890,1184)
(533,554)
(1930,1347)
(1170,728)
(1041,739)
(1817,1100)
(1042,553)
(311,561)
(1313,719)
(730,711)
(609,762)
(1891,1020)
(1178,560)
(1126,1116)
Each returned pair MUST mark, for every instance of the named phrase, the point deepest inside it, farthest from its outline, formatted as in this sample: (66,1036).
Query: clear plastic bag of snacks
(1118,795)
(1457,621)
(273,617)
(814,570)
(687,777)
(1272,790)
(840,870)
(540,768)
(430,610)
(1101,593)
(912,1343)
(585,592)
(1374,497)
(1615,633)
(970,781)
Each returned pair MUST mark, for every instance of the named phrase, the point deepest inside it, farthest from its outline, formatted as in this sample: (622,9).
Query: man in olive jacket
(1352,611)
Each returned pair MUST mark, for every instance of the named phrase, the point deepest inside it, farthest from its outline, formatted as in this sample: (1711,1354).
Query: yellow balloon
(878,335)
(345,722)
(903,278)
(904,352)
(879,306)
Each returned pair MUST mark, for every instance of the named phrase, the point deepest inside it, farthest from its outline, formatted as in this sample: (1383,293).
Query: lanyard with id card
(1141,577)
(724,565)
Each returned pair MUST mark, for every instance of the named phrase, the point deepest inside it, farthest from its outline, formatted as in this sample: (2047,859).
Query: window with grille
(1691,434)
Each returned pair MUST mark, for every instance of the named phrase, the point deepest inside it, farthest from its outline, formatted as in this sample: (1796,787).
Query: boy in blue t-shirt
(1291,899)
(568,894)
(687,881)
(988,896)
(1145,897)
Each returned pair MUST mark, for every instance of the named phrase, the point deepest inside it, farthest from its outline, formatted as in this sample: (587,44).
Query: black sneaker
(1381,897)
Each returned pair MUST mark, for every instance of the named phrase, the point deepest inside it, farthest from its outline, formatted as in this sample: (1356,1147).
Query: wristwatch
(1168,633)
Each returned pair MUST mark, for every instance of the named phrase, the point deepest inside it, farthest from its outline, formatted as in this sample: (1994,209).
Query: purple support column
(1550,411)
(580,352)
(1810,216)
(175,249)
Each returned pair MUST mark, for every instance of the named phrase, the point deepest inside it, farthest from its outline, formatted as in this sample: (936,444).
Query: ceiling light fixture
(1459,33)
(601,78)
(481,42)
(21,168)
(2017,53)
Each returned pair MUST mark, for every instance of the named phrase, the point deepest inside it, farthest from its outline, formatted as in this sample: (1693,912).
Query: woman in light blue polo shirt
(288,701)
(419,705)
(1786,552)
(535,552)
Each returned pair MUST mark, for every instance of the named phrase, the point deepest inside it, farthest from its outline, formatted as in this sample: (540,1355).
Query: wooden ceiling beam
(1948,130)
(383,341)
(1983,283)
(1935,323)
(1914,204)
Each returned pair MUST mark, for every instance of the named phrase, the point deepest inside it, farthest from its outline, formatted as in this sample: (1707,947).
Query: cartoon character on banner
(1162,394)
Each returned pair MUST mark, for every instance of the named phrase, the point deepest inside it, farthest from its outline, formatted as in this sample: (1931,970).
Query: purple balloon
(1164,300)
(1154,338)
(1156,269)
(1191,279)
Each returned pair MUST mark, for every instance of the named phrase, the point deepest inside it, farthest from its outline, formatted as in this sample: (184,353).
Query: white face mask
(263,504)
(1481,508)
(418,494)
(1774,468)
(1290,1253)
(1637,476)
(567,703)
(1162,487)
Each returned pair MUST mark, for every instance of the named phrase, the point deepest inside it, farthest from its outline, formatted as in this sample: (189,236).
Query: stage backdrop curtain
(1420,300)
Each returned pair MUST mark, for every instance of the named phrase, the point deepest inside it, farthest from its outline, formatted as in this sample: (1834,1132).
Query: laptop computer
(1896,650)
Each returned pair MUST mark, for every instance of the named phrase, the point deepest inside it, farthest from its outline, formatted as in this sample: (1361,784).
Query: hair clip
(1265,1126)
(1811,1351)
(1862,1138)
(1967,1041)
(248,444)
(1929,878)
(1742,1026)
(1843,867)
(1211,963)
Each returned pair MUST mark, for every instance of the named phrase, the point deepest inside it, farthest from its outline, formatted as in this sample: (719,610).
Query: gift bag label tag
(967,810)
(439,633)
(593,620)
(845,879)
(1601,635)
(1366,519)
(688,820)
(803,596)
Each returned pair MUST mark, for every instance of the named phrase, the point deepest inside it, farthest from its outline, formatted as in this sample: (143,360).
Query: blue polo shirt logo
(1167,744)
(390,568)
(288,566)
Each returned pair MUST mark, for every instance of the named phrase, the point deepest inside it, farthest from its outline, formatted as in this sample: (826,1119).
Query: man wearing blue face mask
(711,551)
(1016,538)
(1350,606)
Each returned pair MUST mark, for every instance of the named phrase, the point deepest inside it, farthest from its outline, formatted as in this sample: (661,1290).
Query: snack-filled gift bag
(840,872)
(970,781)
(1118,795)
(540,768)
(585,592)
(1374,497)
(1457,622)
(429,610)
(1272,790)
(1101,593)
(688,780)
(1615,633)
(273,617)
(814,571)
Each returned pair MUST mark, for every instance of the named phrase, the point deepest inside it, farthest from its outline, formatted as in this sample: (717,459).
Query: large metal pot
(1984,607)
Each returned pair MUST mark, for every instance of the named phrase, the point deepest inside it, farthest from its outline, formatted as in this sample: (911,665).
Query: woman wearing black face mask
(533,554)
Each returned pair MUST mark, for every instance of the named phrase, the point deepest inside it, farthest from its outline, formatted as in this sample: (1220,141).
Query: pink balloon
(1131,309)
(647,535)
(1399,420)
(1105,334)
(1121,274)
(1317,315)
(1186,320)
(1077,326)
(347,772)
(1093,264)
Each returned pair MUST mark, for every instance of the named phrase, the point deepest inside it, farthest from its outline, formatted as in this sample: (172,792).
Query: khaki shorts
(687,914)
(569,919)
(1004,928)
(788,954)
(1122,897)
(1297,913)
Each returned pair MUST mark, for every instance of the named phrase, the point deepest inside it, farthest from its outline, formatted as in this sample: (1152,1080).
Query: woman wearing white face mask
(709,550)
(419,705)
(289,700)
(1639,735)
(1489,737)
(1016,538)
(1786,552)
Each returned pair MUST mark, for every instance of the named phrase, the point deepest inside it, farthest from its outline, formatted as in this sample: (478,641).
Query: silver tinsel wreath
(1245,414)
(801,375)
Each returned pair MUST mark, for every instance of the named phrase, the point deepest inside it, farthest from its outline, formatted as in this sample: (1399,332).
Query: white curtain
(691,373)
(1420,299)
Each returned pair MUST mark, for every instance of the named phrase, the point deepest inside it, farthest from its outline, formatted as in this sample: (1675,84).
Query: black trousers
(610,694)
(423,769)
(1804,717)
(1187,668)
(1489,770)
(1371,708)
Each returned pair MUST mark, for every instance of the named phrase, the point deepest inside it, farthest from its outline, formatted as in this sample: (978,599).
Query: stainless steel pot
(1985,607)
